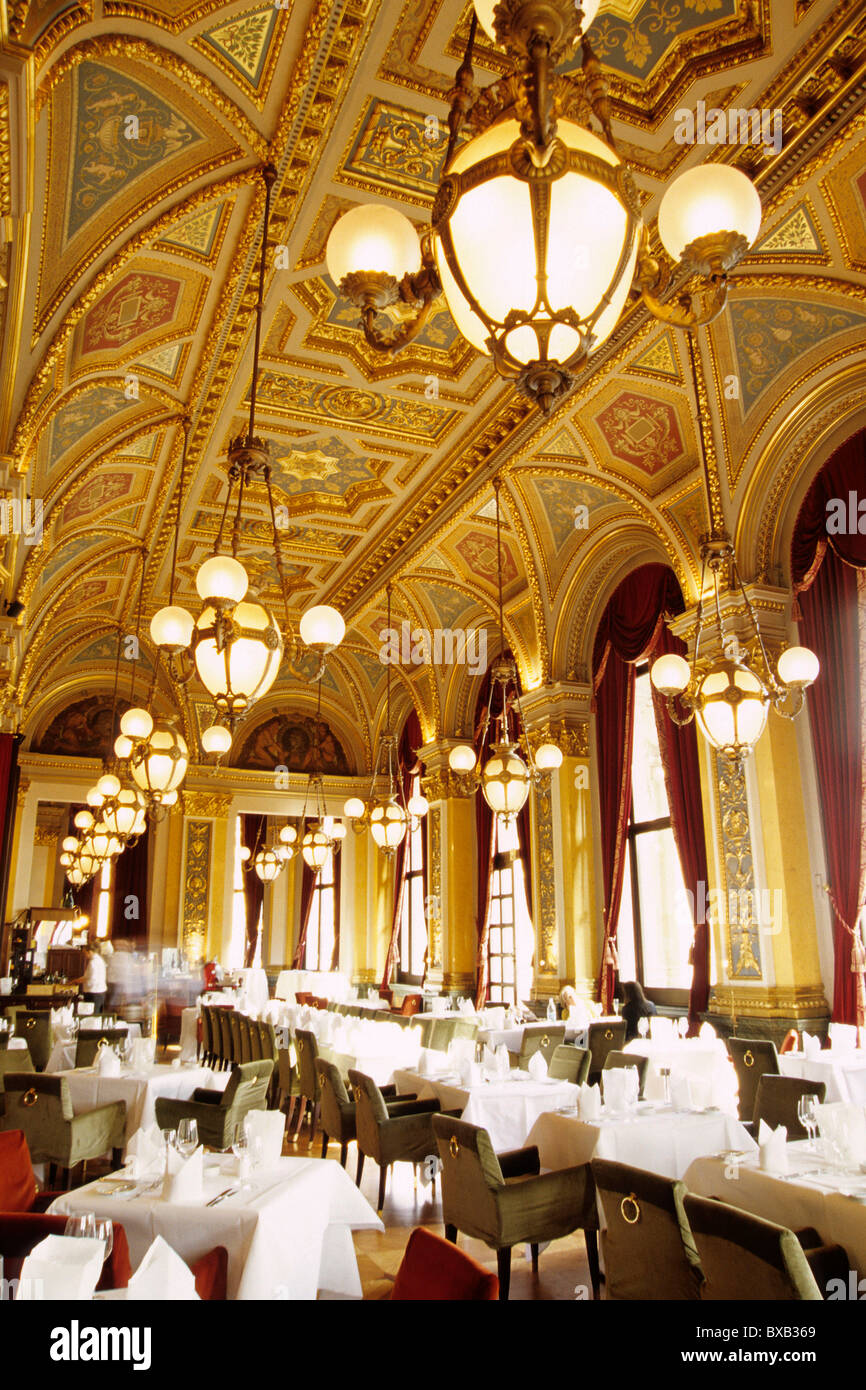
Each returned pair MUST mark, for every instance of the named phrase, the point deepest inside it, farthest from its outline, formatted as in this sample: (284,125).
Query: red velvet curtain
(485,839)
(338,893)
(827,570)
(9,745)
(407,764)
(130,891)
(308,884)
(253,832)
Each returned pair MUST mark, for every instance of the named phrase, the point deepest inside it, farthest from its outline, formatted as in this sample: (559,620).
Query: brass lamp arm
(688,704)
(691,310)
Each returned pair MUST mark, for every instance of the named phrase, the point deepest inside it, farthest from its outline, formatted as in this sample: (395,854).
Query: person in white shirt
(94,981)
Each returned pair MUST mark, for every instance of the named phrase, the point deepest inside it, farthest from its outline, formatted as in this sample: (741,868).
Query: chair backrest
(246,1027)
(569,1063)
(752,1059)
(333,1096)
(778,1097)
(247,1088)
(20,1232)
(540,1037)
(267,1041)
(649,1252)
(40,1106)
(434,1270)
(17,1182)
(35,1028)
(747,1259)
(426,1023)
(307,1049)
(370,1111)
(790,1042)
(602,1038)
(88,1042)
(411,1005)
(442,1034)
(237,1049)
(223,1014)
(471,1176)
(207,1042)
(14,1059)
(629,1059)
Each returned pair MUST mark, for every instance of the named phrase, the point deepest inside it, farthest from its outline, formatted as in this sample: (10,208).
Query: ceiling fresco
(131,277)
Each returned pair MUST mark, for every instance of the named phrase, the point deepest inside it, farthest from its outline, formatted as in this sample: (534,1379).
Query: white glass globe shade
(289,834)
(69,843)
(338,830)
(245,853)
(171,627)
(670,674)
(732,708)
(322,626)
(161,764)
(505,782)
(76,876)
(222,578)
(798,666)
(136,723)
(109,785)
(388,824)
(247,666)
(548,757)
(354,808)
(217,739)
(95,798)
(462,758)
(374,238)
(484,10)
(83,820)
(123,812)
(169,798)
(316,847)
(122,746)
(494,244)
(418,806)
(704,201)
(66,859)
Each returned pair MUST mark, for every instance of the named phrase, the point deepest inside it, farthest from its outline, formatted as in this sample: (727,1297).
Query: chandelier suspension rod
(463,94)
(718,529)
(138,623)
(269,175)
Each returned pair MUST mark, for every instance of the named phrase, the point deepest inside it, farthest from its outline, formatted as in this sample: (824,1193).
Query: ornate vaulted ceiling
(131,208)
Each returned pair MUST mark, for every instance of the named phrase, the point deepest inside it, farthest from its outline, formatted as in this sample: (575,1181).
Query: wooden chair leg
(302,1105)
(360,1169)
(314,1118)
(383,1178)
(451,1234)
(503,1264)
(116,1158)
(534,1252)
(591,1238)
(324,1144)
(344,1153)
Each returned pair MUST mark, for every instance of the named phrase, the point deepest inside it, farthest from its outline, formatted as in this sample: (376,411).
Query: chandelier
(724,692)
(235,644)
(536,231)
(269,859)
(322,833)
(388,815)
(505,778)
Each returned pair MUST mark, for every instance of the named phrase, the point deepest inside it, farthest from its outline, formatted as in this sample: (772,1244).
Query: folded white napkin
(470,1072)
(537,1066)
(163,1276)
(701,1092)
(430,1062)
(85,1007)
(662,1029)
(17,1044)
(707,1032)
(466,1008)
(489,1062)
(772,1148)
(494,1018)
(145,1151)
(613,1089)
(503,1061)
(143,1053)
(439,1005)
(589,1103)
(811,1045)
(843,1037)
(61,1267)
(461,1050)
(266,1127)
(107,1062)
(681,1092)
(184,1177)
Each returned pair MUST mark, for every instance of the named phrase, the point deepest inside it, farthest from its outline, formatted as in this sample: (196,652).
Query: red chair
(210,975)
(791,1042)
(20,1232)
(18,1191)
(410,1006)
(211,1274)
(434,1270)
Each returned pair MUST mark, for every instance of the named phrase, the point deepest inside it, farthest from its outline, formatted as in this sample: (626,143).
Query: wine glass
(82,1227)
(807,1114)
(241,1151)
(104,1231)
(187,1137)
(643,1026)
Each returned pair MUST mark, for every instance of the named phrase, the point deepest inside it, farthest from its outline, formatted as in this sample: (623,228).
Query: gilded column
(451,874)
(206,862)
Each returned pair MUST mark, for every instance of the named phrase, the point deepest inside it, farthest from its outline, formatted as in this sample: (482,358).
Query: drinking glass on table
(82,1227)
(187,1137)
(643,1027)
(807,1114)
(104,1231)
(241,1151)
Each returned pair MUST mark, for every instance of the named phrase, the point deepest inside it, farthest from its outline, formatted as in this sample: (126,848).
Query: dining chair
(399,1132)
(307,1050)
(629,1059)
(218,1113)
(13,1059)
(790,1042)
(411,1005)
(442,1034)
(747,1259)
(18,1191)
(426,1023)
(602,1037)
(41,1106)
(434,1270)
(777,1102)
(248,1031)
(223,1014)
(35,1029)
(505,1200)
(569,1063)
(236,1043)
(752,1059)
(337,1117)
(648,1249)
(88,1043)
(541,1037)
(205,1047)
(21,1232)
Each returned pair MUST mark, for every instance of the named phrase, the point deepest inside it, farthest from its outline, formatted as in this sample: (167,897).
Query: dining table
(62,1056)
(287,1228)
(842,1072)
(507,1107)
(704,1063)
(139,1089)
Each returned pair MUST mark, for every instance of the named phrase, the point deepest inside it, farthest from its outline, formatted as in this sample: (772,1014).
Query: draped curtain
(407,765)
(253,830)
(130,882)
(633,628)
(829,574)
(9,745)
(338,893)
(308,884)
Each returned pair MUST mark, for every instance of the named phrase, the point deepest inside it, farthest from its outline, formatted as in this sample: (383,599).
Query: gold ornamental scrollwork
(546,912)
(207,804)
(447,784)
(434,904)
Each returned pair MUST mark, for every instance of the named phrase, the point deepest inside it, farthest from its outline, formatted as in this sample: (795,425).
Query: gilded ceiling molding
(361,705)
(818,160)
(76,634)
(41,706)
(120,9)
(538,610)
(58,31)
(30,576)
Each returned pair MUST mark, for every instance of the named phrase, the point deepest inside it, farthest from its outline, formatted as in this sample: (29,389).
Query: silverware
(229,1192)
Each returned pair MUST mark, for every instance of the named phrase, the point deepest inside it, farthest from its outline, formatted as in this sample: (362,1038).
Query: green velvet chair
(289,1079)
(236,1053)
(17,1060)
(601,1038)
(42,1107)
(35,1029)
(540,1037)
(569,1063)
(777,1100)
(218,1113)
(442,1034)
(649,1251)
(397,1133)
(425,1022)
(747,1259)
(505,1200)
(307,1049)
(338,1108)
(752,1059)
(629,1059)
(87,1044)
(224,1045)
(248,1039)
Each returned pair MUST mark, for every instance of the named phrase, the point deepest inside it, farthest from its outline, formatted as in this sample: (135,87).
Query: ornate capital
(207,805)
(23,789)
(447,784)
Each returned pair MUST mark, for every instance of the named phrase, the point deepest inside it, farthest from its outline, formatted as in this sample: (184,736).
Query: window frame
(314,926)
(408,926)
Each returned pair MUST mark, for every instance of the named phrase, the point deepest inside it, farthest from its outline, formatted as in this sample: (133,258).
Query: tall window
(320,932)
(510,937)
(237,948)
(413,925)
(656,922)
(102,901)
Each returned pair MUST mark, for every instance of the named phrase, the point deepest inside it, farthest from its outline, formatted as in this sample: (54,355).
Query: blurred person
(94,981)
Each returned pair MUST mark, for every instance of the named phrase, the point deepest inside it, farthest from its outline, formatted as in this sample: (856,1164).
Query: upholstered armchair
(569,1063)
(747,1259)
(12,1059)
(505,1200)
(338,1108)
(42,1107)
(777,1102)
(629,1059)
(752,1059)
(607,1035)
(21,1232)
(218,1113)
(35,1029)
(434,1270)
(89,1041)
(307,1051)
(396,1133)
(649,1251)
(540,1037)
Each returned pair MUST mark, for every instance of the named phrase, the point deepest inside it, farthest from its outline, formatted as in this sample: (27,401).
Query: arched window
(413,923)
(322,928)
(510,934)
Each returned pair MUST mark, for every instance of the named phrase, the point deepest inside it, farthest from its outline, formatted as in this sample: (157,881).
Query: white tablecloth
(87,1090)
(659,1141)
(62,1056)
(844,1074)
(705,1062)
(253,988)
(325,984)
(793,1201)
(188,1033)
(287,1238)
(506,1109)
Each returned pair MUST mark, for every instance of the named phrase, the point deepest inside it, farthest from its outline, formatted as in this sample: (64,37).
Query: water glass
(187,1137)
(665,1074)
(83,1227)
(807,1115)
(104,1231)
